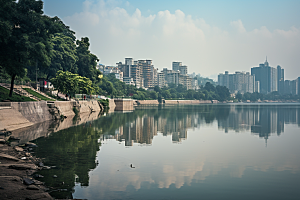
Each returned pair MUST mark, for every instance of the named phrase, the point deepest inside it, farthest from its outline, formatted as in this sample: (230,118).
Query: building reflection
(263,121)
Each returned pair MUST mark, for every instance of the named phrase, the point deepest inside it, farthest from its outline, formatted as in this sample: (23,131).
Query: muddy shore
(17,172)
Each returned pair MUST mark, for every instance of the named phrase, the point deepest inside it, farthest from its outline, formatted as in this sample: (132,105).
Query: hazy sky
(208,36)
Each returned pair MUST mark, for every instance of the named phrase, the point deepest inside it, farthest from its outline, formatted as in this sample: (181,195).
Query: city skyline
(209,37)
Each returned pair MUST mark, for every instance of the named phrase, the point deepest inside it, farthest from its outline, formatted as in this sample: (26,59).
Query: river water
(237,151)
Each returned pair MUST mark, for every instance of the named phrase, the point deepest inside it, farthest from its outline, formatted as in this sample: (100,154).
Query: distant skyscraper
(239,82)
(267,77)
(280,80)
(176,66)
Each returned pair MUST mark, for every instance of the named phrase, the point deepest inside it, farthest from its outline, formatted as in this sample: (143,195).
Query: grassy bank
(38,95)
(4,96)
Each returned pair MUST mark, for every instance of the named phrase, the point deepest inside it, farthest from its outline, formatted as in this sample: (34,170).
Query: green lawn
(38,95)
(15,97)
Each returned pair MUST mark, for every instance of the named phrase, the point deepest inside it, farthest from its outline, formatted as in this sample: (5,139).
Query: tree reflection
(73,150)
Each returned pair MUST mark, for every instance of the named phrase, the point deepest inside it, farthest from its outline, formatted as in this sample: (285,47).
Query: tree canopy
(69,83)
(25,36)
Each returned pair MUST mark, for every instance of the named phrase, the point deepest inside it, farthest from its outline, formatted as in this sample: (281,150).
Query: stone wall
(34,111)
(112,105)
(172,102)
(16,115)
(147,102)
(123,104)
(22,114)
(88,106)
(65,108)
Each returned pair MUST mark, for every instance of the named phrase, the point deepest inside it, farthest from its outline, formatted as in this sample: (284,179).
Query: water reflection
(261,120)
(177,152)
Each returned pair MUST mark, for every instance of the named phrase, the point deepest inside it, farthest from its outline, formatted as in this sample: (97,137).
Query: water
(242,151)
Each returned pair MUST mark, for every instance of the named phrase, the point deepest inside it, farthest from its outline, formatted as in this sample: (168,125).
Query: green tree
(64,55)
(69,83)
(223,93)
(25,36)
(87,61)
(239,96)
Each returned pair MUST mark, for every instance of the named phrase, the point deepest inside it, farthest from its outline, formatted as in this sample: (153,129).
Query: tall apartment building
(161,80)
(147,72)
(142,72)
(176,66)
(291,87)
(186,81)
(267,77)
(239,82)
(171,76)
(183,69)
(280,80)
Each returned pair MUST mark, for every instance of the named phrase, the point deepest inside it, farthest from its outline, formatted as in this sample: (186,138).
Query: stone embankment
(16,115)
(171,102)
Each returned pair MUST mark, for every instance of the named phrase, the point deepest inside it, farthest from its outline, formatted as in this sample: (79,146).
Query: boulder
(23,166)
(8,157)
(32,187)
(19,149)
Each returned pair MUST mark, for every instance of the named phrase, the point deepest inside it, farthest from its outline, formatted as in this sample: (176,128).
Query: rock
(38,176)
(41,164)
(38,183)
(46,167)
(19,149)
(30,144)
(22,166)
(32,187)
(28,181)
(39,196)
(54,176)
(8,157)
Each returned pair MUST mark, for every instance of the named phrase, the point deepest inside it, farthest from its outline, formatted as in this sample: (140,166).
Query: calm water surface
(242,151)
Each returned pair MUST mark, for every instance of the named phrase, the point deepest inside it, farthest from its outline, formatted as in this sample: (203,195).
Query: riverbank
(17,166)
(16,115)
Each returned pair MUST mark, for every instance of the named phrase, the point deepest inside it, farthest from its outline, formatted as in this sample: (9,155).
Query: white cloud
(166,37)
(238,25)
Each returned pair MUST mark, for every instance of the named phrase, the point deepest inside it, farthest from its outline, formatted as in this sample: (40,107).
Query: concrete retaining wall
(172,102)
(112,105)
(16,115)
(147,102)
(22,114)
(65,107)
(124,104)
(88,106)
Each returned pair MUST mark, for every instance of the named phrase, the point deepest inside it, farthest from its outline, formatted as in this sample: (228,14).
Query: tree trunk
(12,84)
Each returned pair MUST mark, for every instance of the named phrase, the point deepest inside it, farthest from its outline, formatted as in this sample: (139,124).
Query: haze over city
(208,36)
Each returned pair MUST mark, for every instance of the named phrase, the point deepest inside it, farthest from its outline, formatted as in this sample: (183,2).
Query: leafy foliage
(25,36)
(69,83)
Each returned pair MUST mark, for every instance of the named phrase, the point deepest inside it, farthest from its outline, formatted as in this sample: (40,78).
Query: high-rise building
(161,81)
(176,66)
(183,70)
(142,72)
(171,76)
(267,77)
(239,82)
(147,72)
(280,80)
